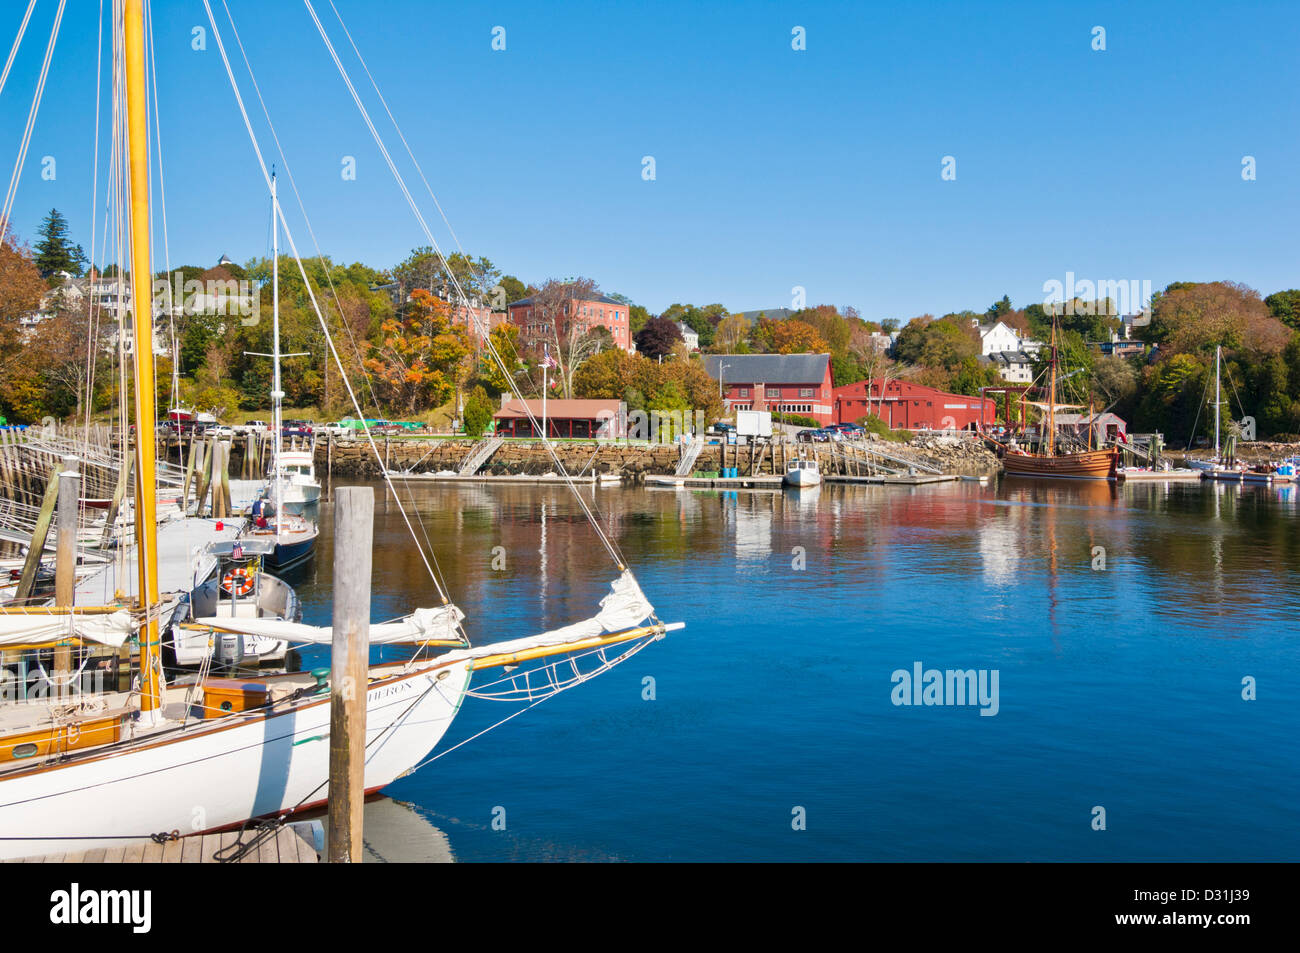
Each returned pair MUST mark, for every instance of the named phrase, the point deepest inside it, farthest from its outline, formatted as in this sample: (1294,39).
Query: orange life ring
(238,582)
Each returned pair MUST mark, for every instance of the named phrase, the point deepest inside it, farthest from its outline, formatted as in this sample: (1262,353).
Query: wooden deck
(293,844)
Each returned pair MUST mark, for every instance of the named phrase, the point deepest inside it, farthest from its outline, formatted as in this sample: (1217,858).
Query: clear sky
(774,168)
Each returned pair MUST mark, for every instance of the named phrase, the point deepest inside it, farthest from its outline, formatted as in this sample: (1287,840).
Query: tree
(505,339)
(420,360)
(657,338)
(1196,318)
(423,268)
(558,308)
(515,289)
(730,334)
(998,308)
(21,290)
(54,252)
(1285,306)
(790,336)
(478,412)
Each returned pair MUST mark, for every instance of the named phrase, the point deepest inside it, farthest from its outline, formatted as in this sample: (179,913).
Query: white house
(689,336)
(1001,337)
(1015,367)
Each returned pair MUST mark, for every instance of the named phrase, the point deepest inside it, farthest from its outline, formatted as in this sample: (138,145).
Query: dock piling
(65,561)
(354,511)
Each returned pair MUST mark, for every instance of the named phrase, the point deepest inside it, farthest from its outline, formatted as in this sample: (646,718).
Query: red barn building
(903,405)
(782,383)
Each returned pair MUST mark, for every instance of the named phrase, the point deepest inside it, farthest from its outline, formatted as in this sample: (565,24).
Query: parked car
(723,427)
(811,435)
(850,431)
(254,426)
(295,428)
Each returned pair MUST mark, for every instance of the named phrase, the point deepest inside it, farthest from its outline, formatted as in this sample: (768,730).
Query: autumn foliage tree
(790,336)
(420,357)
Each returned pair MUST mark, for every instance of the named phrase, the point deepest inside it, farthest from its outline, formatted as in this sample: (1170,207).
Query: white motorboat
(802,472)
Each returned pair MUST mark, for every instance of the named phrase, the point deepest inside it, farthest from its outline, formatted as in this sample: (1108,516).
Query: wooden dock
(894,479)
(756,482)
(297,843)
(1160,476)
(546,479)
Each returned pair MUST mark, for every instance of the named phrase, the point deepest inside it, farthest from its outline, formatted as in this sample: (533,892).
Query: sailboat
(126,767)
(292,537)
(1048,462)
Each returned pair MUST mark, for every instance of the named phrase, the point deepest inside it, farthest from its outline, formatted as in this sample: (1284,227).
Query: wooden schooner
(1051,464)
(115,768)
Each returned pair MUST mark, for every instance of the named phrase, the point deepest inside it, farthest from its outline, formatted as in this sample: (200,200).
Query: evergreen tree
(54,252)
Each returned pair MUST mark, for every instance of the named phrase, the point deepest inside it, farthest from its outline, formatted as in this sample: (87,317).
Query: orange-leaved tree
(421,357)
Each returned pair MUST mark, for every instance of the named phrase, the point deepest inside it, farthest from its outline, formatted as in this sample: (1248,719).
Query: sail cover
(46,629)
(420,626)
(626,607)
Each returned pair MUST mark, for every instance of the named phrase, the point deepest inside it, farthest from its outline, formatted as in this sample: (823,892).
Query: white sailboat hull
(219,773)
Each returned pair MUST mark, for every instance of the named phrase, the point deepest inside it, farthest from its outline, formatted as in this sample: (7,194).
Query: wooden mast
(142,320)
(1051,398)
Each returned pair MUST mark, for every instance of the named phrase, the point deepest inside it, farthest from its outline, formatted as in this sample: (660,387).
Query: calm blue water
(1119,688)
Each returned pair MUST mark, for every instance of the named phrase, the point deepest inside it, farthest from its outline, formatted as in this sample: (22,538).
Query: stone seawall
(353,458)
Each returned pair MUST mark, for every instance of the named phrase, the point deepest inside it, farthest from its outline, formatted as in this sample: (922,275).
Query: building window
(744,392)
(805,391)
(774,392)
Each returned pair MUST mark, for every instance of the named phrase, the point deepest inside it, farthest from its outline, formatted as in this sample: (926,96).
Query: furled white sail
(626,607)
(112,629)
(420,626)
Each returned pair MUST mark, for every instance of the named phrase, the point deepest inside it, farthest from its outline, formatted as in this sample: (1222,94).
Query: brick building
(581,315)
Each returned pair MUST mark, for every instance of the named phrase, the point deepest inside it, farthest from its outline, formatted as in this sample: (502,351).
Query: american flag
(547,360)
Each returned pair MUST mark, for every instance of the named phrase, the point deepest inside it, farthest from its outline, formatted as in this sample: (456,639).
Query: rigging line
(162,196)
(303,209)
(257,149)
(435,570)
(414,161)
(398,128)
(609,544)
(13,50)
(94,211)
(558,690)
(31,119)
(333,291)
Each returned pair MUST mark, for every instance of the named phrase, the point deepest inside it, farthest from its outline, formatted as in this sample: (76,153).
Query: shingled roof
(768,368)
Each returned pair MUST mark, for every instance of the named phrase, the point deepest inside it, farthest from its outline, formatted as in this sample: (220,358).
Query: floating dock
(297,843)
(894,479)
(545,479)
(1160,476)
(756,482)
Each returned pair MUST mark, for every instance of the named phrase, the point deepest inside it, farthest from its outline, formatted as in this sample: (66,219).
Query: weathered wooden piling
(27,581)
(65,559)
(349,656)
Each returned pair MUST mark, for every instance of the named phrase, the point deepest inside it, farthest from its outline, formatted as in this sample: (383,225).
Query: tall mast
(277,393)
(1216,402)
(142,318)
(1051,397)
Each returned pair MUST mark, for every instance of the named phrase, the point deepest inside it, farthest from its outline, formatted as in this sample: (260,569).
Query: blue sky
(775,168)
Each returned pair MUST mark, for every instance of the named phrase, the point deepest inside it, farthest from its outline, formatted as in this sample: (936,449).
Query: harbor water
(1145,642)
